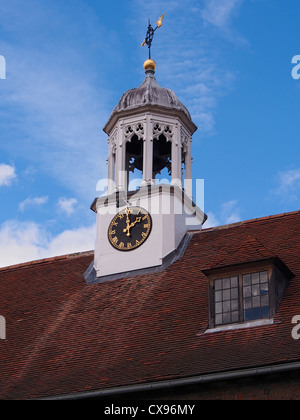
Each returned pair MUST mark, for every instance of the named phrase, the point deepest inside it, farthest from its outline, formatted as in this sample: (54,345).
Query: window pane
(226,300)
(219,308)
(247,291)
(256,313)
(255,290)
(248,315)
(256,302)
(234,281)
(265,312)
(264,288)
(226,306)
(247,280)
(234,305)
(218,284)
(247,303)
(234,293)
(226,283)
(218,296)
(263,277)
(235,316)
(226,294)
(256,296)
(226,318)
(255,278)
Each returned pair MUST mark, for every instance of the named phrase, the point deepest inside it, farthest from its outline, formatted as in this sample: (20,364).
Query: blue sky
(69,61)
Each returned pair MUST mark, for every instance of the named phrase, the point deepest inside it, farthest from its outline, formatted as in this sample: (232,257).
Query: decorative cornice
(150,109)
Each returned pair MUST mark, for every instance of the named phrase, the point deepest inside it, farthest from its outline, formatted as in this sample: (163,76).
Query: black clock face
(129,229)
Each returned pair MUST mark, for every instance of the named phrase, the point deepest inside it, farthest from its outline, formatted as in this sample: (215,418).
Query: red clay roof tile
(65,337)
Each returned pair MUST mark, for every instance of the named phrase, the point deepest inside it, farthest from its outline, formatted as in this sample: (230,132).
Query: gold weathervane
(150,34)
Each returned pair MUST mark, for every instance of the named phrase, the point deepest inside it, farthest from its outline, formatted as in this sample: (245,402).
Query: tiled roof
(64,337)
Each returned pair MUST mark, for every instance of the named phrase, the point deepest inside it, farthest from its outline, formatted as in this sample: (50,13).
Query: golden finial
(150,65)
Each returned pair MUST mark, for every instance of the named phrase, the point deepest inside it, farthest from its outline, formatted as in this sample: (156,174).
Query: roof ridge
(80,254)
(45,260)
(243,222)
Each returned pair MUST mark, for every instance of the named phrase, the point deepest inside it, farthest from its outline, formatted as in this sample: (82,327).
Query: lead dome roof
(150,93)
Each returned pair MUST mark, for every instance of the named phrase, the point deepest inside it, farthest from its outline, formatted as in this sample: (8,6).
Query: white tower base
(173,215)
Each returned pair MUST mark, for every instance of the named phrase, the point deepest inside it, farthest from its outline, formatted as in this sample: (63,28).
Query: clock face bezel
(143,232)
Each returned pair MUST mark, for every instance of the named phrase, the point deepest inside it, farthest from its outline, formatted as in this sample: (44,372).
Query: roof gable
(246,249)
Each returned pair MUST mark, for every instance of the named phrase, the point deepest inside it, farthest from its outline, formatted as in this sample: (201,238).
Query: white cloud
(32,202)
(289,185)
(196,67)
(228,214)
(59,106)
(220,12)
(27,241)
(7,174)
(20,242)
(62,120)
(70,241)
(67,205)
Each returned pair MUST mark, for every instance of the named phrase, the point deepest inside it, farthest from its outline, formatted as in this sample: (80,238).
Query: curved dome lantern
(149,130)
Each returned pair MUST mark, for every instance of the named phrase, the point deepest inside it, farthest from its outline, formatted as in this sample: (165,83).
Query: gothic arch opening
(162,151)
(134,161)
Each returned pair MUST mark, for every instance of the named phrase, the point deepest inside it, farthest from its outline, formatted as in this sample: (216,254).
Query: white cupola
(149,130)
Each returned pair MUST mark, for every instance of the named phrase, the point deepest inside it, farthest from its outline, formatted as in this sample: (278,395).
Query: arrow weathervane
(150,34)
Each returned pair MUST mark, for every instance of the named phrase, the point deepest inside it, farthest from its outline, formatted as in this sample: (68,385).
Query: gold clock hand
(127,217)
(138,220)
(129,226)
(127,222)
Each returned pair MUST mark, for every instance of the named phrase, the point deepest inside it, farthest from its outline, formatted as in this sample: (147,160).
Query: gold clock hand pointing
(129,226)
(127,222)
(127,216)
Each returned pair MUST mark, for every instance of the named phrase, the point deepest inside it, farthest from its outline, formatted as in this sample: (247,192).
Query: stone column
(148,153)
(188,188)
(121,176)
(176,159)
(111,167)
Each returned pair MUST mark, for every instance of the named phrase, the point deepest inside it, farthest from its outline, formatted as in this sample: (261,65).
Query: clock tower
(145,227)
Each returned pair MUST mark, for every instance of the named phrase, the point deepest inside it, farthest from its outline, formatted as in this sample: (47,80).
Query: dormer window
(246,293)
(241,298)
